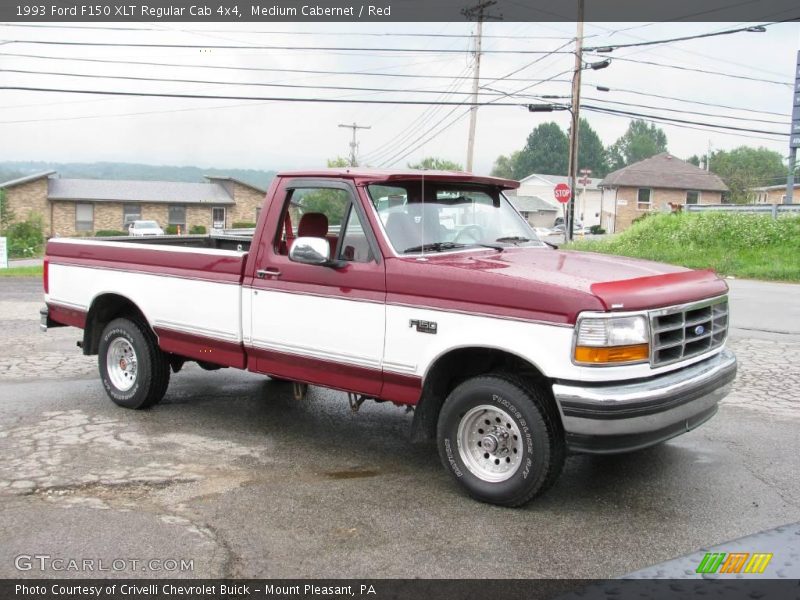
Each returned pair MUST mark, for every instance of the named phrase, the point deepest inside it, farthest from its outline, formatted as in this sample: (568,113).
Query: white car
(143,228)
(542,232)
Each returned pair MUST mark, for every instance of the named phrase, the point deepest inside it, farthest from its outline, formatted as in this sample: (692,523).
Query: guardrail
(762,209)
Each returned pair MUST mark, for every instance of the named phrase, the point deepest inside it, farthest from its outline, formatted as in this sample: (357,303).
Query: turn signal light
(613,354)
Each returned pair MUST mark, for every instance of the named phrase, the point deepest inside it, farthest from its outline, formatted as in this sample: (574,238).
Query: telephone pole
(477,13)
(575,112)
(354,144)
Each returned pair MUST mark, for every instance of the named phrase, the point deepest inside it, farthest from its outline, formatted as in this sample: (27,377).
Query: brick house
(71,207)
(774,194)
(660,183)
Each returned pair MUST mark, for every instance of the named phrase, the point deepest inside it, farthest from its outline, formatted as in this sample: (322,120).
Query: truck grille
(681,332)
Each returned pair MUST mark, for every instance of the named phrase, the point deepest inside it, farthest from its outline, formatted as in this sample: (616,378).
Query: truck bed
(188,287)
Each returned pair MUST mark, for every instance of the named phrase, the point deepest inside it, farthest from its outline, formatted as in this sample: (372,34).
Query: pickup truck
(422,288)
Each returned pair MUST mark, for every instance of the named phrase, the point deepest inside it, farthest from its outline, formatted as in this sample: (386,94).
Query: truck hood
(553,284)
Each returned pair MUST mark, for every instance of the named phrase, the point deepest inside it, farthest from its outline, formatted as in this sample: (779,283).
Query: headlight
(611,340)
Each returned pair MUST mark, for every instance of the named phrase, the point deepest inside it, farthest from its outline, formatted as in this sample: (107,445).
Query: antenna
(422,220)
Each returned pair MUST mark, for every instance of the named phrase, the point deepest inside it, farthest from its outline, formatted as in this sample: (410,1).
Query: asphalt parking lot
(233,474)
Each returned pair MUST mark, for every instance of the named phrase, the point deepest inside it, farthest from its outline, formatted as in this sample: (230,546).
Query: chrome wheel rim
(489,443)
(121,364)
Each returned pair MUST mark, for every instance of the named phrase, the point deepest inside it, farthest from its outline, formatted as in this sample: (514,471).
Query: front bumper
(621,417)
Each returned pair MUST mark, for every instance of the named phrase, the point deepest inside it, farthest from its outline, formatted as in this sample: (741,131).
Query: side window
(355,246)
(324,213)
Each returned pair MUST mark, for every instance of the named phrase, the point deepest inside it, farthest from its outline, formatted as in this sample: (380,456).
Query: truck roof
(365,175)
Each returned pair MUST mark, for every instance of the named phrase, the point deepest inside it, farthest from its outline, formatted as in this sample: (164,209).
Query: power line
(700,102)
(234,68)
(258,98)
(610,47)
(236,83)
(603,109)
(696,70)
(689,112)
(506,77)
(258,47)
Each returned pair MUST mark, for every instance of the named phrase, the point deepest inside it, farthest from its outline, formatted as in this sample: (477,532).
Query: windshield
(146,225)
(451,217)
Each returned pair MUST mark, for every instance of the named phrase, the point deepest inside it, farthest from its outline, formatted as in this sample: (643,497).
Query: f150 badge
(423,326)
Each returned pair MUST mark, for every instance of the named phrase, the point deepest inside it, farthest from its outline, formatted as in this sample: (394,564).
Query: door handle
(263,273)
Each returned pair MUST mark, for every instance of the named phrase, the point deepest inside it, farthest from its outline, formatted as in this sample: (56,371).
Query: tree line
(547,151)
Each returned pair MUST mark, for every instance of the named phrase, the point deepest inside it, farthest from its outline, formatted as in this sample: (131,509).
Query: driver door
(314,323)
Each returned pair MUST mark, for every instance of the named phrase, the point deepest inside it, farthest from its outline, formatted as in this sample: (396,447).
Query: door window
(324,213)
(218,217)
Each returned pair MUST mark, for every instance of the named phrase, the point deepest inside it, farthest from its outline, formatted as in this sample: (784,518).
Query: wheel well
(104,309)
(453,368)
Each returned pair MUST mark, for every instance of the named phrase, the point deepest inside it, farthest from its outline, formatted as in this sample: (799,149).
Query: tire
(522,422)
(133,369)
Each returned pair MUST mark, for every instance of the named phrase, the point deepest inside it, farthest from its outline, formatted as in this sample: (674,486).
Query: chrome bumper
(621,417)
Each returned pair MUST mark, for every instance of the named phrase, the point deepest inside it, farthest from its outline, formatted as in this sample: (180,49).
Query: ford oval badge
(699,330)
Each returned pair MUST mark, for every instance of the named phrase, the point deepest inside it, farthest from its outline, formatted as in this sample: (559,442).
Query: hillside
(115,170)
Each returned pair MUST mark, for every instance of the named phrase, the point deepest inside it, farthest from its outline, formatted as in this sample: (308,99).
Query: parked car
(511,353)
(543,232)
(144,228)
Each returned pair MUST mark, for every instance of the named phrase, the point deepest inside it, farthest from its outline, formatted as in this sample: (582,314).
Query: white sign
(3,253)
(622,202)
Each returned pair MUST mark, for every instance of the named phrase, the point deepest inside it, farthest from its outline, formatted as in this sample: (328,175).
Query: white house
(588,200)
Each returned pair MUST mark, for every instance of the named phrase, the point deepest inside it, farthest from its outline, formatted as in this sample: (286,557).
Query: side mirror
(312,251)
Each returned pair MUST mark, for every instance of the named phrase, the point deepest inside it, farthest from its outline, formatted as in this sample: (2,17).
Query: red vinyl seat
(316,225)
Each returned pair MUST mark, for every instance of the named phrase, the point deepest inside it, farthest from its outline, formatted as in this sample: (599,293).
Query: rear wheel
(133,369)
(501,439)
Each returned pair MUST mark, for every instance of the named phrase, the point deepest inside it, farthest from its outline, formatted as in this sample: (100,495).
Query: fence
(761,209)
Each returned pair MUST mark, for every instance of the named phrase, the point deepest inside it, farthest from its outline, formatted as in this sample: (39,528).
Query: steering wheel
(473,232)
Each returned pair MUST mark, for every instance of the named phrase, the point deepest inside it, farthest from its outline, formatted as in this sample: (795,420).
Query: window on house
(643,199)
(130,213)
(177,215)
(218,217)
(84,217)
(692,197)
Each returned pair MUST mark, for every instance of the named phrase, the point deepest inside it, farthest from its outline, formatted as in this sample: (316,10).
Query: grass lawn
(21,272)
(742,245)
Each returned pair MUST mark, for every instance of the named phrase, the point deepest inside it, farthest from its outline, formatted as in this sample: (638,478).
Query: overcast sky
(283,135)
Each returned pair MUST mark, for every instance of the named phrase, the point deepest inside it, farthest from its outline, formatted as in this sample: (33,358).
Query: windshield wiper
(433,247)
(512,239)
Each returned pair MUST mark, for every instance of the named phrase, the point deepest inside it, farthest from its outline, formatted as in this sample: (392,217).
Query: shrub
(171,230)
(197,229)
(25,239)
(109,233)
(243,225)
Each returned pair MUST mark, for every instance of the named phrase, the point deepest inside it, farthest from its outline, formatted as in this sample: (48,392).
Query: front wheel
(134,370)
(501,439)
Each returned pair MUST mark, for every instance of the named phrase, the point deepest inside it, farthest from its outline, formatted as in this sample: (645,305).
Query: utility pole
(794,137)
(477,13)
(576,115)
(354,143)
(708,158)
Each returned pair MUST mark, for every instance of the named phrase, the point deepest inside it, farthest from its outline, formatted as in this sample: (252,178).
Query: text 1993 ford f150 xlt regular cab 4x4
(420,288)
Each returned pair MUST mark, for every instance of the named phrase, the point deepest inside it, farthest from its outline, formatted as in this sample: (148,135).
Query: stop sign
(562,193)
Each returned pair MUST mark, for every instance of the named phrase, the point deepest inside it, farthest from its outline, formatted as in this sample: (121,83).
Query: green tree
(591,152)
(505,166)
(641,140)
(546,151)
(338,162)
(744,168)
(436,164)
(695,160)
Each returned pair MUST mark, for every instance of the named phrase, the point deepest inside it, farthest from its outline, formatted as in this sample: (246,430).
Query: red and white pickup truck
(419,288)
